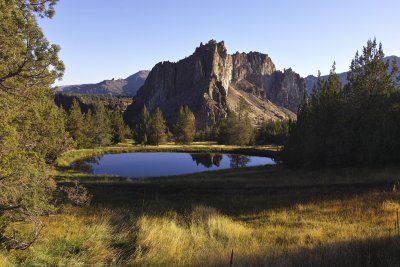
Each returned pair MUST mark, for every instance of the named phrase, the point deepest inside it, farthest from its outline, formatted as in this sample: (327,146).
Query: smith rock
(211,82)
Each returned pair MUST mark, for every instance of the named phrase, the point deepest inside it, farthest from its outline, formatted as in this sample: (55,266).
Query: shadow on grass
(383,252)
(242,191)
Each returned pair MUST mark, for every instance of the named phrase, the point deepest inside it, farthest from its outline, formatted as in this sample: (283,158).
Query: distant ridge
(120,87)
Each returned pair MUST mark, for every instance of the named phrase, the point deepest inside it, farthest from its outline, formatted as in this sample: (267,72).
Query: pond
(144,164)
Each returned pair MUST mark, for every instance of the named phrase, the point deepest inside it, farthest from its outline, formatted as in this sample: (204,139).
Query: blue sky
(104,39)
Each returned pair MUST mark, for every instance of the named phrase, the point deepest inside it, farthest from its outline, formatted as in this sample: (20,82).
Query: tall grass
(304,234)
(287,237)
(69,239)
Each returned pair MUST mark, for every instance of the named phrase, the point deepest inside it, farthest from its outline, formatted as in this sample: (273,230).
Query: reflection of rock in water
(85,165)
(238,161)
(207,160)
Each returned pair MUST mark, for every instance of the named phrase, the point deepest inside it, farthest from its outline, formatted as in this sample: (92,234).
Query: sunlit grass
(360,226)
(206,237)
(68,239)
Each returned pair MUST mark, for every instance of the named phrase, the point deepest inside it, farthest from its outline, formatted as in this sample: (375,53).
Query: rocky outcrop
(211,82)
(119,87)
(287,89)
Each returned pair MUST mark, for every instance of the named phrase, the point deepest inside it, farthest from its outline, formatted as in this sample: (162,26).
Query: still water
(143,164)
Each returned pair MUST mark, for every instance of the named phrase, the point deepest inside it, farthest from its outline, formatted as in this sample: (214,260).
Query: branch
(13,243)
(8,208)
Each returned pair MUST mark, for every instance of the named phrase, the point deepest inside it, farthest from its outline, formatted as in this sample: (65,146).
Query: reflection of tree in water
(85,165)
(238,161)
(207,160)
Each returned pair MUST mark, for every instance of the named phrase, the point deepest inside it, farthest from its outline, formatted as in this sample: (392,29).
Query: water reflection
(238,161)
(207,160)
(86,165)
(148,164)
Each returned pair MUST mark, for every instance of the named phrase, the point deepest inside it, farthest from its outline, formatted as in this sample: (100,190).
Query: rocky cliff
(285,89)
(211,82)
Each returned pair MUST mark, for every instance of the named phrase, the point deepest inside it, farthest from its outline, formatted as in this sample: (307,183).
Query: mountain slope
(119,87)
(211,82)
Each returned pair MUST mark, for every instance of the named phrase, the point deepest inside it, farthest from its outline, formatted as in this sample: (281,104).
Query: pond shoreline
(65,160)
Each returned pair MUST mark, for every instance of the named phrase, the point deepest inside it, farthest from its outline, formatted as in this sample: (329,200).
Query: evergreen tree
(31,127)
(90,130)
(274,132)
(158,129)
(119,129)
(353,125)
(101,125)
(236,128)
(185,126)
(76,124)
(369,98)
(142,129)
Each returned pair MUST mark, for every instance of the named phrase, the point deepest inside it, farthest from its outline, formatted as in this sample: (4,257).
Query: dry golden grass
(304,234)
(68,239)
(273,237)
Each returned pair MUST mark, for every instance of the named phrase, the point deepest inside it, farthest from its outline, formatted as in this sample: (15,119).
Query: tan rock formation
(210,82)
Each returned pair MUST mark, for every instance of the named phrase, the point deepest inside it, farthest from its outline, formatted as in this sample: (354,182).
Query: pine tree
(185,126)
(90,133)
(102,125)
(142,129)
(236,128)
(119,129)
(158,128)
(356,124)
(369,96)
(76,124)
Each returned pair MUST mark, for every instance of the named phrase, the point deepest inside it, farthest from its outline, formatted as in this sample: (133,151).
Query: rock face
(119,87)
(285,88)
(211,82)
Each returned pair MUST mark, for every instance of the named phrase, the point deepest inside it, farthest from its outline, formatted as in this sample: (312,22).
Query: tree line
(99,126)
(235,129)
(355,124)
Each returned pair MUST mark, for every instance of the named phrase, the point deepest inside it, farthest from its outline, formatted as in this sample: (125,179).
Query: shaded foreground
(268,215)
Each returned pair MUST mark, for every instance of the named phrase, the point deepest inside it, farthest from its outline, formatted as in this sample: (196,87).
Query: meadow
(258,216)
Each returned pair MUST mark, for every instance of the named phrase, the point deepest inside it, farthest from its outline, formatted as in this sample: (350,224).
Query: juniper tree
(31,128)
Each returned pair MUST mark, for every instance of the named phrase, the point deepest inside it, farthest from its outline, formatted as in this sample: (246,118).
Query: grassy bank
(268,216)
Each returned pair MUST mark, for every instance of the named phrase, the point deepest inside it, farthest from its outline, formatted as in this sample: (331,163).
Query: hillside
(120,87)
(87,102)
